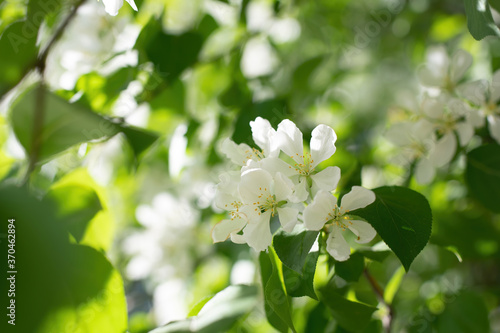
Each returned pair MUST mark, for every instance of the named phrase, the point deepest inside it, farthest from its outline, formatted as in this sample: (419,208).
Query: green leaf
(174,53)
(19,52)
(317,320)
(277,305)
(77,205)
(467,313)
(479,19)
(483,175)
(139,139)
(351,269)
(64,124)
(293,247)
(495,4)
(76,288)
(403,218)
(301,284)
(219,314)
(352,316)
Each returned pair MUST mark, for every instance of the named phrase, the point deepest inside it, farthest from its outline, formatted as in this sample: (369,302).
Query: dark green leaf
(479,19)
(77,205)
(317,320)
(483,175)
(403,218)
(139,139)
(293,247)
(174,53)
(301,284)
(465,313)
(351,269)
(352,316)
(219,314)
(495,4)
(19,52)
(277,304)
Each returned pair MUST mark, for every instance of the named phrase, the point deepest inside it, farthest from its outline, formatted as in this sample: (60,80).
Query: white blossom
(303,164)
(324,212)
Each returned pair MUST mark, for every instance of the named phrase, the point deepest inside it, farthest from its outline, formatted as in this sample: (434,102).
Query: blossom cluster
(281,180)
(448,114)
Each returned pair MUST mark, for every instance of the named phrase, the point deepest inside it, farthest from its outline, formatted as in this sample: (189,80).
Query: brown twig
(380,295)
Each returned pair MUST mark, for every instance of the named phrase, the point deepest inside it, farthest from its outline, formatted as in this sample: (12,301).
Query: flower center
(234,209)
(267,201)
(303,164)
(254,154)
(335,218)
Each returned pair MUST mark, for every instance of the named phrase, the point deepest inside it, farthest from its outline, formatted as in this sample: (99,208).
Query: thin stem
(409,176)
(380,295)
(42,58)
(39,107)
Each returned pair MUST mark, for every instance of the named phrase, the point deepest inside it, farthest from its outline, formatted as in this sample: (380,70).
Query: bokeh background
(184,75)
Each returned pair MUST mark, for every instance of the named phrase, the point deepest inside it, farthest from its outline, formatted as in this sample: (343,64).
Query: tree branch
(380,295)
(39,107)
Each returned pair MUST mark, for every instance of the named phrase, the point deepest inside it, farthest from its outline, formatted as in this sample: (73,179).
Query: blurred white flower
(324,212)
(112,6)
(442,72)
(485,97)
(416,141)
(166,221)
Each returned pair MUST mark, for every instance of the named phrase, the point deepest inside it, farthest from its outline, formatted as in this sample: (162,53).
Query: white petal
(429,77)
(474,91)
(422,130)
(238,239)
(263,134)
(326,180)
(112,6)
(465,132)
(224,228)
(337,246)
(363,230)
(224,200)
(258,234)
(495,87)
(290,139)
(316,213)
(322,144)
(254,185)
(494,127)
(475,118)
(288,218)
(359,197)
(275,164)
(433,107)
(238,154)
(132,4)
(424,171)
(300,193)
(283,187)
(460,63)
(444,150)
